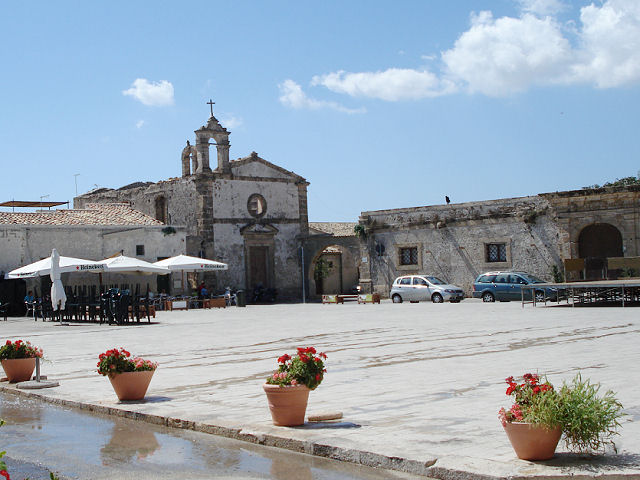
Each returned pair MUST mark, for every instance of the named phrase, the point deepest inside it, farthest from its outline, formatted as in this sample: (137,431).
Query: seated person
(29,298)
(204,293)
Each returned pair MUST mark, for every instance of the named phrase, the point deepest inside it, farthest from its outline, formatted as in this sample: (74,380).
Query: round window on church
(257,205)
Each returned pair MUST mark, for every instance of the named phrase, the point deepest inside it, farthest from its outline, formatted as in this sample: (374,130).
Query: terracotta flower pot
(19,369)
(533,442)
(131,385)
(287,404)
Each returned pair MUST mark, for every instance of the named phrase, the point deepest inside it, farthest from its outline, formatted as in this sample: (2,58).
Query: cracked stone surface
(421,382)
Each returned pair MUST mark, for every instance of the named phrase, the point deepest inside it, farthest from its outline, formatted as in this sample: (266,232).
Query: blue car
(507,286)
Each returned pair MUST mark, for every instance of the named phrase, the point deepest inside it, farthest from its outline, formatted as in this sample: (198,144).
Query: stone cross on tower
(211,104)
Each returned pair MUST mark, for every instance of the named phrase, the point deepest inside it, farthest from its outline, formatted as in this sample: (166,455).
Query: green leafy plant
(3,465)
(305,368)
(322,269)
(557,274)
(588,421)
(168,231)
(19,349)
(116,361)
(360,231)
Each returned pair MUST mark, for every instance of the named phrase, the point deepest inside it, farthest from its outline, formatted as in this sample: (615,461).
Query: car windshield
(533,279)
(435,281)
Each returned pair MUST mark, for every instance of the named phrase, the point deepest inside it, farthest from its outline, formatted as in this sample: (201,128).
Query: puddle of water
(78,445)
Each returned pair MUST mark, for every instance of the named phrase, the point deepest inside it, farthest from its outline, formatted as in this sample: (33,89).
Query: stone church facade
(248,213)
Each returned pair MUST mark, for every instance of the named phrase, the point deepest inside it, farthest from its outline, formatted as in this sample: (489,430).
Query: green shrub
(588,421)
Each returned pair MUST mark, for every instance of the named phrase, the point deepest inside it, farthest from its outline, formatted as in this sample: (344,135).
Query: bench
(348,297)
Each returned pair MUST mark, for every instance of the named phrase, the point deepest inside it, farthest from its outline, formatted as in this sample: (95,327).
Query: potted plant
(19,359)
(288,387)
(129,376)
(540,415)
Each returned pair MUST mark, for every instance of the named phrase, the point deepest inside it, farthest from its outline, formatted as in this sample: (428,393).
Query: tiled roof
(93,214)
(337,229)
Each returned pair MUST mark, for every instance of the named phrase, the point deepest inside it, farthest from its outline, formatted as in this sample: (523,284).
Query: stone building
(457,242)
(248,212)
(93,232)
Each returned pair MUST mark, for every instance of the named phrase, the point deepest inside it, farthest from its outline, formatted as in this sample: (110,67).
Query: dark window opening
(139,250)
(496,252)
(409,256)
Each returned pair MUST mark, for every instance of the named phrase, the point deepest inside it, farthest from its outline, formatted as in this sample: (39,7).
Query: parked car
(420,288)
(507,286)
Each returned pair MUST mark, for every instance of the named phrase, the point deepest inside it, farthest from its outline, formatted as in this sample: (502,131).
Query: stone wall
(23,245)
(452,240)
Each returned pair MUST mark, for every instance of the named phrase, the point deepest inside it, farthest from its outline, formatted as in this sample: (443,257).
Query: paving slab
(419,385)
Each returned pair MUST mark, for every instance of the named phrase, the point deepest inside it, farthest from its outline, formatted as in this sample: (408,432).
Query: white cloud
(157,94)
(506,55)
(542,7)
(391,85)
(230,121)
(139,123)
(292,95)
(610,44)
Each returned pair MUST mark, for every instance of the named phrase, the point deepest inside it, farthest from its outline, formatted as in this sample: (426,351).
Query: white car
(420,288)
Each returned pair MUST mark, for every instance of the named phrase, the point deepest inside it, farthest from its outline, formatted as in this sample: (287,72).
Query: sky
(377,104)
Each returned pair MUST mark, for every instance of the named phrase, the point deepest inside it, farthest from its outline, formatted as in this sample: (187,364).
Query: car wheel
(488,297)
(396,298)
(540,297)
(436,298)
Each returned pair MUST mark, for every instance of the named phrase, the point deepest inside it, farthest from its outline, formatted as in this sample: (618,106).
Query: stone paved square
(420,381)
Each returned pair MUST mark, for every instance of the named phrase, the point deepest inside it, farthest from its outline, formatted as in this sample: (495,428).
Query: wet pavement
(40,437)
(419,384)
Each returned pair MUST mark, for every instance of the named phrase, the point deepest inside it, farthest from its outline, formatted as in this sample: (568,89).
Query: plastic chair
(31,307)
(4,307)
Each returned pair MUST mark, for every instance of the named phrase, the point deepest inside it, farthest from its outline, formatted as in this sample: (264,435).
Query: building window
(496,252)
(139,250)
(409,256)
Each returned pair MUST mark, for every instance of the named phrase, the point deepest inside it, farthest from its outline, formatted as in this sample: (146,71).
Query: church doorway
(259,267)
(596,243)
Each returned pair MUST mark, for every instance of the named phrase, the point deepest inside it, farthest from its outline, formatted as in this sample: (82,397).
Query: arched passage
(596,243)
(333,271)
(340,256)
(600,240)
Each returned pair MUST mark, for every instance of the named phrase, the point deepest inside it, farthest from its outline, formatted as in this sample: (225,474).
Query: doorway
(259,267)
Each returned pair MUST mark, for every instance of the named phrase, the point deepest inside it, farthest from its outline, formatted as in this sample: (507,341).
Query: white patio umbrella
(67,264)
(58,297)
(185,263)
(124,264)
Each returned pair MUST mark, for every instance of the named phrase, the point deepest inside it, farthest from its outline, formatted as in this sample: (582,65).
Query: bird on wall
(447,199)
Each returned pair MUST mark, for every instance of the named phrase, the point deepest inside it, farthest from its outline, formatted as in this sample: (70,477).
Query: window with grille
(496,252)
(409,256)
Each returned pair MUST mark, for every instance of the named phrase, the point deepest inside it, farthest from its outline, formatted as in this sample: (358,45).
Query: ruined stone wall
(452,241)
(578,209)
(181,197)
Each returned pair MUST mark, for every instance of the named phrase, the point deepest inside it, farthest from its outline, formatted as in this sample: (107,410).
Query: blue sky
(378,105)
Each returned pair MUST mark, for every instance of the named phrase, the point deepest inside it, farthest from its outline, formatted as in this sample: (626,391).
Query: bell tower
(214,130)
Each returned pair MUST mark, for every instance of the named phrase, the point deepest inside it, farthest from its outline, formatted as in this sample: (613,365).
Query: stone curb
(359,457)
